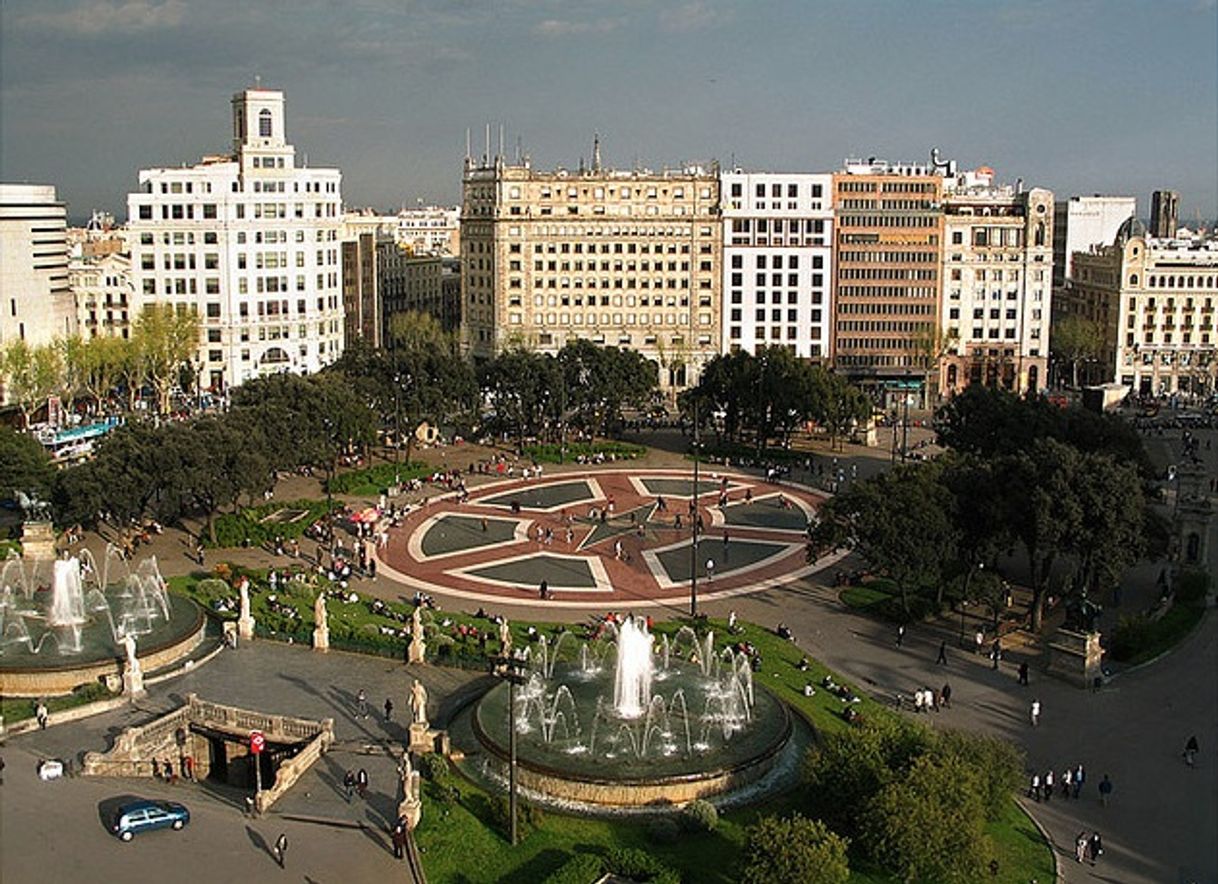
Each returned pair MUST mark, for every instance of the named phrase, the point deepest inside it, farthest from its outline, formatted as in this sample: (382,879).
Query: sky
(1080,96)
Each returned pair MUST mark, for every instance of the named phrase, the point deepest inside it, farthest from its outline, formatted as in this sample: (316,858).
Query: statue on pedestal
(410,808)
(418,703)
(245,622)
(133,675)
(418,648)
(505,637)
(321,621)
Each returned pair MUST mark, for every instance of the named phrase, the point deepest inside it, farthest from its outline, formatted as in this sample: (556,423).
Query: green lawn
(373,481)
(1139,639)
(16,709)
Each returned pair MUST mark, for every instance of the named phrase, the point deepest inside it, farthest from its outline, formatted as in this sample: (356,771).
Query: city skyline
(94,91)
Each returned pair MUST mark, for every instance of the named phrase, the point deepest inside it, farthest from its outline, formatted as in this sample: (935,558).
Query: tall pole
(693,518)
(512,751)
(562,423)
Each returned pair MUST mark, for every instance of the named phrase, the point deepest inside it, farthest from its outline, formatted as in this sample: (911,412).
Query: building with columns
(777,261)
(250,240)
(997,284)
(37,305)
(622,258)
(1155,301)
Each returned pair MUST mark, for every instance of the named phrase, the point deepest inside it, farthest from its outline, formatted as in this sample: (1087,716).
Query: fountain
(630,721)
(70,626)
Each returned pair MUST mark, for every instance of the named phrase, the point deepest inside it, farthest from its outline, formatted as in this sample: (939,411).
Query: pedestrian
(361,783)
(725,541)
(1048,781)
(543,591)
(1191,748)
(1081,845)
(710,570)
(947,696)
(41,714)
(484,524)
(349,783)
(1034,788)
(1035,713)
(1097,847)
(918,700)
(942,658)
(900,635)
(372,568)
(1105,790)
(996,653)
(361,702)
(1023,673)
(980,640)
(281,848)
(388,709)
(399,838)
(1067,776)
(1079,776)
(188,767)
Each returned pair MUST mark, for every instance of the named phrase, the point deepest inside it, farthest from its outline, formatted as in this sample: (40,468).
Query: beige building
(997,284)
(1155,300)
(35,299)
(105,296)
(429,230)
(621,258)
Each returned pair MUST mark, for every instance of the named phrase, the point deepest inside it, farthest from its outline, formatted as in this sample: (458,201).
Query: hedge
(549,453)
(236,529)
(377,479)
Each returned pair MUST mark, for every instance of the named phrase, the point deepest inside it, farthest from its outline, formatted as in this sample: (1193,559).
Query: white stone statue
(418,703)
(410,808)
(505,637)
(416,653)
(245,622)
(133,675)
(321,621)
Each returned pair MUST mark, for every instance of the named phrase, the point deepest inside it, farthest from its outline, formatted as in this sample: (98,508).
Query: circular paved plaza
(606,539)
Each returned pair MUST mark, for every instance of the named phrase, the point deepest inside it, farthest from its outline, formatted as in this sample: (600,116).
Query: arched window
(1133,279)
(1040,233)
(264,123)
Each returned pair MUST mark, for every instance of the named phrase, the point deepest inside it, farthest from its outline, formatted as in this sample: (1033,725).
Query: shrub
(700,816)
(550,453)
(583,868)
(433,766)
(445,793)
(377,479)
(663,830)
(639,865)
(235,529)
(779,850)
(998,764)
(528,817)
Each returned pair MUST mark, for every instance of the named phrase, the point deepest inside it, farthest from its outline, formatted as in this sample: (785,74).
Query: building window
(264,123)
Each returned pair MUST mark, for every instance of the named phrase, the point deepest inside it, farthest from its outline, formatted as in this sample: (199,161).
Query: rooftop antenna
(486,157)
(500,154)
(257,81)
(596,152)
(519,148)
(467,138)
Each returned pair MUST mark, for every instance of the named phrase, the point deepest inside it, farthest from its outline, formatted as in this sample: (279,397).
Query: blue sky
(1081,96)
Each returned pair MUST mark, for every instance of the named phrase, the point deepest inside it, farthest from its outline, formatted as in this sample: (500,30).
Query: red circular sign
(257,742)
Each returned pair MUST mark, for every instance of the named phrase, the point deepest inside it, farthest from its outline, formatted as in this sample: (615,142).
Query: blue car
(144,816)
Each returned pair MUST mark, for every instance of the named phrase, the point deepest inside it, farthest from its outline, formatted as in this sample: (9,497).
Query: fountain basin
(610,773)
(25,674)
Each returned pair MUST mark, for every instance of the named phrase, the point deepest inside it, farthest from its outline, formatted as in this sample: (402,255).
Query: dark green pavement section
(677,487)
(768,513)
(557,572)
(542,497)
(735,555)
(619,525)
(452,533)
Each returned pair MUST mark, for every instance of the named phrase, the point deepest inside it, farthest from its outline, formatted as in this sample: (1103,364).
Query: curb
(1057,860)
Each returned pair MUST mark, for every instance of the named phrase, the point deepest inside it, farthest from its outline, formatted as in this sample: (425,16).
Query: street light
(509,669)
(693,518)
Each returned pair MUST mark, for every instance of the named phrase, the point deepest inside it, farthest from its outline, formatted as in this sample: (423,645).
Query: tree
(901,522)
(99,365)
(429,377)
(598,381)
(24,464)
(981,523)
(1076,339)
(1110,538)
(837,404)
(522,387)
(931,343)
(225,461)
(167,338)
(779,850)
(32,374)
(929,826)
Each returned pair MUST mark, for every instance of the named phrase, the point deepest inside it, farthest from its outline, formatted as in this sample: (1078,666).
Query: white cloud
(554,27)
(695,15)
(99,17)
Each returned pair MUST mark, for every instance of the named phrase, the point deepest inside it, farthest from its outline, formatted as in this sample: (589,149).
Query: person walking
(361,702)
(399,838)
(388,709)
(996,653)
(1079,776)
(900,635)
(1034,788)
(710,570)
(1048,781)
(1035,711)
(1097,847)
(1081,845)
(42,715)
(946,696)
(1105,790)
(1023,673)
(941,660)
(349,783)
(1067,776)
(1191,748)
(281,848)
(361,783)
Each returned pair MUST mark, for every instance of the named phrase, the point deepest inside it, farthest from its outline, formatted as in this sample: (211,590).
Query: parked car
(144,816)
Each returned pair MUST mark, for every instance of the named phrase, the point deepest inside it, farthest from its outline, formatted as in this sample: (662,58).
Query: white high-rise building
(36,303)
(777,261)
(250,241)
(1082,223)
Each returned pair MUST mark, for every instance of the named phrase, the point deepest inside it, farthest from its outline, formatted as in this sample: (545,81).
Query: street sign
(257,742)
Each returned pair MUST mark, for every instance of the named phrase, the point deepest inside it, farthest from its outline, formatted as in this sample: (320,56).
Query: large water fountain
(64,622)
(635,720)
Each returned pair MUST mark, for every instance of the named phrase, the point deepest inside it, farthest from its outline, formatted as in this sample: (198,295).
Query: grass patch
(9,546)
(609,451)
(879,597)
(376,480)
(1138,639)
(16,709)
(250,527)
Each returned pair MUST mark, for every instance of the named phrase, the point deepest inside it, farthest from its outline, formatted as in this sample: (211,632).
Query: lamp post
(397,417)
(693,518)
(509,669)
